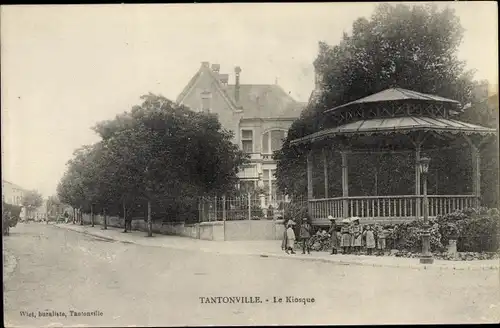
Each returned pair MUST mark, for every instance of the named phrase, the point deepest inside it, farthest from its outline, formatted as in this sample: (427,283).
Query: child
(370,239)
(382,234)
(345,242)
(333,235)
(356,235)
(290,237)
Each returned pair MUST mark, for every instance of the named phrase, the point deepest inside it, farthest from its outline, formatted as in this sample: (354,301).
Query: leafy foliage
(32,199)
(476,230)
(296,210)
(159,152)
(485,112)
(10,214)
(413,47)
(408,236)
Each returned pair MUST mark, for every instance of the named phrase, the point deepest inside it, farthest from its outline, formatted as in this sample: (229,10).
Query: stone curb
(415,266)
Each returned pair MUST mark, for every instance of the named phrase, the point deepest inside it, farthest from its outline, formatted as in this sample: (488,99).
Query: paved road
(60,270)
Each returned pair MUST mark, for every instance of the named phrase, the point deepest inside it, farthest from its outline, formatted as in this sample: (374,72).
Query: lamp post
(426,257)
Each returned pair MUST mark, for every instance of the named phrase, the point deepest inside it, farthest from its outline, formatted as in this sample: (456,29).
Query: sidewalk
(271,248)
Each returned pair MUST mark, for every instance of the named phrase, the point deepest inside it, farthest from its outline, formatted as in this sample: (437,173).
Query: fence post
(224,214)
(215,208)
(224,208)
(199,209)
(249,207)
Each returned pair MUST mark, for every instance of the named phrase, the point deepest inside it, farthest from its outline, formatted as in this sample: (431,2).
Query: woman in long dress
(284,241)
(290,237)
(333,235)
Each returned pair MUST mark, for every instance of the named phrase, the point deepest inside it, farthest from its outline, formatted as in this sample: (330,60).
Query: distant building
(258,114)
(12,194)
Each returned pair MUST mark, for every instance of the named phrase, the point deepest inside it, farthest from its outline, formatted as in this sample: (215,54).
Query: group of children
(289,237)
(353,237)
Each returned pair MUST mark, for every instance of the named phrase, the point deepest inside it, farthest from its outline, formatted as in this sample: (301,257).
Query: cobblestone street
(60,270)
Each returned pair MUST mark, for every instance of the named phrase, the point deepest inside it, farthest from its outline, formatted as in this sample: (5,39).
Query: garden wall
(215,230)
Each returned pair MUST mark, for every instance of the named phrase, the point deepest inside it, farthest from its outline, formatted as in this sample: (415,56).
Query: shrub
(408,236)
(296,210)
(10,214)
(476,229)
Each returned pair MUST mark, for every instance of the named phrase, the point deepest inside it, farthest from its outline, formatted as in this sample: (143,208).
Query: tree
(32,200)
(412,47)
(54,206)
(160,156)
(10,217)
(167,155)
(485,112)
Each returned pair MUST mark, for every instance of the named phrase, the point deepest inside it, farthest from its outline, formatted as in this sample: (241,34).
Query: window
(272,141)
(248,172)
(266,178)
(247,141)
(271,186)
(205,101)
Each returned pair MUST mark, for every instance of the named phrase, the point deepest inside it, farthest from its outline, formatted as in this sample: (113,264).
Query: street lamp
(426,257)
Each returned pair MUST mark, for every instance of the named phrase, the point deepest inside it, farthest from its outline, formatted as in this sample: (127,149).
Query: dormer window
(206,97)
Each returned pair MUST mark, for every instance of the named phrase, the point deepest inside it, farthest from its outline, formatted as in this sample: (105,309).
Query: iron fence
(244,207)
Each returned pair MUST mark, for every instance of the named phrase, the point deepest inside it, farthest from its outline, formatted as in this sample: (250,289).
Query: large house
(258,114)
(11,193)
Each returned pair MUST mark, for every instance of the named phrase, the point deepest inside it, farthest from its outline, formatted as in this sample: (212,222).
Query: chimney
(223,78)
(216,68)
(205,64)
(237,71)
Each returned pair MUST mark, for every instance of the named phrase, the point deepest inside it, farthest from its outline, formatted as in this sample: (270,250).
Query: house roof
(265,100)
(394,94)
(384,126)
(13,185)
(256,100)
(205,68)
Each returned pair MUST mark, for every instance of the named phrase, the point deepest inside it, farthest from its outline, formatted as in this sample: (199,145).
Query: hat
(354,219)
(346,220)
(331,218)
(291,222)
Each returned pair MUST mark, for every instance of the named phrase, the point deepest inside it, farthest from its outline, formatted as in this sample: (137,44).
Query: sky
(65,68)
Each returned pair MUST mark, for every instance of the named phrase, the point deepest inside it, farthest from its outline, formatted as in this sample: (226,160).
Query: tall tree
(32,200)
(54,206)
(159,156)
(407,46)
